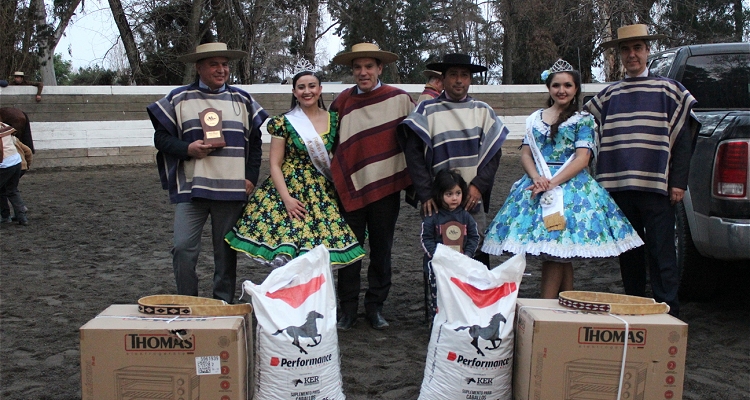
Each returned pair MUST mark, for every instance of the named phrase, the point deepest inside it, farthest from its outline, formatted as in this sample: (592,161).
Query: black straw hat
(456,60)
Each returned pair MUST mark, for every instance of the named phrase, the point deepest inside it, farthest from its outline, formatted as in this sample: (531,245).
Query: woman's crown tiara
(303,66)
(559,66)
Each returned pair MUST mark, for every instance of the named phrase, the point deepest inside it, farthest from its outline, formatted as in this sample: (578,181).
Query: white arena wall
(99,125)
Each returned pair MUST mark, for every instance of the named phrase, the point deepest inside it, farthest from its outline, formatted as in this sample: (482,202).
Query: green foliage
(63,70)
(94,76)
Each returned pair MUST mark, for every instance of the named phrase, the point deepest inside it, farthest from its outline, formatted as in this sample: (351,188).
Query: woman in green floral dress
(296,209)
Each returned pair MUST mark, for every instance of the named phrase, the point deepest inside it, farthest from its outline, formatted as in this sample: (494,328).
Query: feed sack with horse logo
(470,355)
(297,352)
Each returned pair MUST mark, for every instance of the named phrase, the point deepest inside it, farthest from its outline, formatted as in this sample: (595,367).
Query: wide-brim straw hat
(631,32)
(456,60)
(18,73)
(365,50)
(215,49)
(431,73)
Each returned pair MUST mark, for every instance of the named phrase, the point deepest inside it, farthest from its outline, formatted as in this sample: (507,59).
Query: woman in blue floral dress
(591,225)
(296,209)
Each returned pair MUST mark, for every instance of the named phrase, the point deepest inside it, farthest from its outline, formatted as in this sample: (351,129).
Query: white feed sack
(297,353)
(470,355)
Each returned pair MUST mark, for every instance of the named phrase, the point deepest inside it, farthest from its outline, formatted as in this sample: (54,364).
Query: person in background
(19,79)
(10,172)
(297,209)
(556,211)
(433,87)
(454,131)
(449,193)
(369,172)
(647,134)
(204,180)
(26,158)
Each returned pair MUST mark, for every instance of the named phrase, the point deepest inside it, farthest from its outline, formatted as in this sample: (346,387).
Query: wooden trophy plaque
(212,124)
(453,235)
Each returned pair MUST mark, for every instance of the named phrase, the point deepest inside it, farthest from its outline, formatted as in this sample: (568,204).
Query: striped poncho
(463,135)
(646,134)
(367,163)
(221,175)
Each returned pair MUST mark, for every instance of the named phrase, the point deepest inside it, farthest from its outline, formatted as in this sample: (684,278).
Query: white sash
(551,200)
(314,143)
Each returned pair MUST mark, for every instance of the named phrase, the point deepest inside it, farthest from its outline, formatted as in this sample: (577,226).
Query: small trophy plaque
(212,124)
(453,235)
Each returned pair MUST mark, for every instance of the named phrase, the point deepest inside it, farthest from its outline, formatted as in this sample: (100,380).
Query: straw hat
(364,50)
(429,73)
(18,73)
(456,60)
(631,32)
(207,50)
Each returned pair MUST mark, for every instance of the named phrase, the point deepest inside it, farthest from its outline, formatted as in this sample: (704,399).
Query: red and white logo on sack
(296,295)
(485,297)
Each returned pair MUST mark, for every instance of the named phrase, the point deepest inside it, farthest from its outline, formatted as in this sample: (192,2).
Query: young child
(452,225)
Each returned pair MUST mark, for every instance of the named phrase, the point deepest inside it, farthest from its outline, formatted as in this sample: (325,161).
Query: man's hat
(6,129)
(456,60)
(429,73)
(364,50)
(207,50)
(18,73)
(631,32)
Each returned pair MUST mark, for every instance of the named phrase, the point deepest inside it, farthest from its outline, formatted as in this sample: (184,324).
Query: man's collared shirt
(204,86)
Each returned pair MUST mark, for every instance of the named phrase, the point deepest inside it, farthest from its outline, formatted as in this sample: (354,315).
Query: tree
(702,21)
(48,34)
(63,70)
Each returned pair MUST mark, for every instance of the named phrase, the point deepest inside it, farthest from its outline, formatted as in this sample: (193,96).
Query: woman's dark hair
(321,104)
(446,180)
(572,107)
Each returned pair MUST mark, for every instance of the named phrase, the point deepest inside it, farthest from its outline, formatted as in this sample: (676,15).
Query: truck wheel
(698,275)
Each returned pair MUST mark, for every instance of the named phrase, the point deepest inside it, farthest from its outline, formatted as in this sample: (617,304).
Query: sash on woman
(313,142)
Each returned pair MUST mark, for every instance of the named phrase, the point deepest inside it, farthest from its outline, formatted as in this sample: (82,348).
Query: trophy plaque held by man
(211,123)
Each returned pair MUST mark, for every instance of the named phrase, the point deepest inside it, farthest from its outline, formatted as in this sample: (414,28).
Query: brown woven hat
(18,73)
(364,50)
(431,73)
(6,130)
(631,32)
(207,50)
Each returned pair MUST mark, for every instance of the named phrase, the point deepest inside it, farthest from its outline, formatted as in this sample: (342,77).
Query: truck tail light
(730,170)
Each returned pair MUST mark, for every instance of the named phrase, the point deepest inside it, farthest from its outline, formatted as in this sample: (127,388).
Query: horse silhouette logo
(297,382)
(307,330)
(490,332)
(469,381)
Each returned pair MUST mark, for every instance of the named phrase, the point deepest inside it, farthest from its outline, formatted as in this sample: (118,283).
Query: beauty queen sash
(551,200)
(314,143)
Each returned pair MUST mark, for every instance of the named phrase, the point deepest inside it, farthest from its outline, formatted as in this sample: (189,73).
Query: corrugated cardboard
(126,355)
(566,354)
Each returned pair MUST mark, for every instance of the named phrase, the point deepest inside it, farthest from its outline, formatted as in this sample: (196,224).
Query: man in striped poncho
(369,172)
(454,131)
(646,139)
(204,180)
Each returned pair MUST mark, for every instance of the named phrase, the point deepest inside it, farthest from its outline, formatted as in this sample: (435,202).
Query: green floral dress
(265,230)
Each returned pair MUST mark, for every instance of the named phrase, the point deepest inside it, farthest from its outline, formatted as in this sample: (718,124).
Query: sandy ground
(101,236)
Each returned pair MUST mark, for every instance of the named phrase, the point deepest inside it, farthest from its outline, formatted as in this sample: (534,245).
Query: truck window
(719,81)
(660,66)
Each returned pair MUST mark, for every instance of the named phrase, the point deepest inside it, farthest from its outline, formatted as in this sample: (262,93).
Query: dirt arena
(101,236)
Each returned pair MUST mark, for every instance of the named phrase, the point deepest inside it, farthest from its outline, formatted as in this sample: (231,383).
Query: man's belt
(177,305)
(611,303)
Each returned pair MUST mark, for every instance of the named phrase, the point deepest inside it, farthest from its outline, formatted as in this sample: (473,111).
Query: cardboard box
(568,354)
(126,355)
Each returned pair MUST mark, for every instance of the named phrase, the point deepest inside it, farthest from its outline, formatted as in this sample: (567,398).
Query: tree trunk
(188,75)
(131,49)
(48,36)
(509,41)
(311,30)
(7,36)
(739,20)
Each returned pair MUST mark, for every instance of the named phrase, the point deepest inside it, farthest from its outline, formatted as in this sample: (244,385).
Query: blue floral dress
(265,229)
(595,225)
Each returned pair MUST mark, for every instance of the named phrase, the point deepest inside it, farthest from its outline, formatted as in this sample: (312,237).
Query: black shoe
(377,321)
(346,322)
(22,220)
(5,220)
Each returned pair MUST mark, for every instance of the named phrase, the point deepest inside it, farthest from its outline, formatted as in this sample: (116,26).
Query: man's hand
(249,187)
(199,150)
(473,198)
(676,195)
(428,207)
(38,98)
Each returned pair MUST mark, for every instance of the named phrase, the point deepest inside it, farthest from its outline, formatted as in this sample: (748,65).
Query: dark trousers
(376,222)
(5,202)
(652,216)
(9,188)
